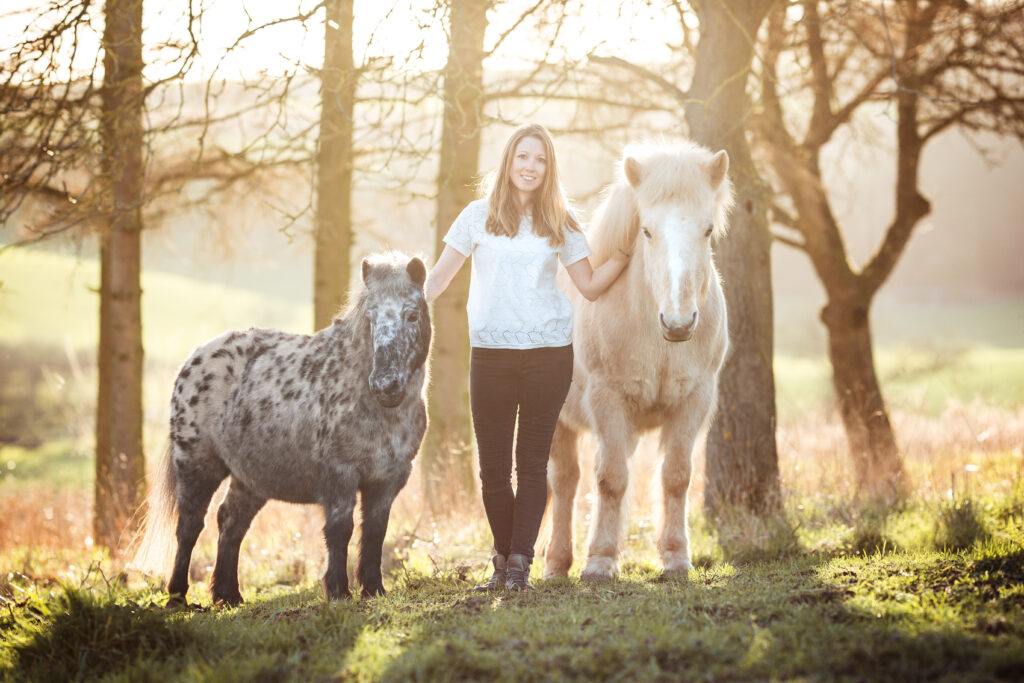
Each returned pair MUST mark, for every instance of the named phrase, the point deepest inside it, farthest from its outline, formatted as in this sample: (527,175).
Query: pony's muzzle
(389,393)
(675,331)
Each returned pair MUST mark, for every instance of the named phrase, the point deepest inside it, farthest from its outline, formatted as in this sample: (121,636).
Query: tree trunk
(447,451)
(877,465)
(333,221)
(742,461)
(120,462)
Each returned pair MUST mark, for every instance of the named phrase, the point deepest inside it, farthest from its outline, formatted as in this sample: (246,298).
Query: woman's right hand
(448,264)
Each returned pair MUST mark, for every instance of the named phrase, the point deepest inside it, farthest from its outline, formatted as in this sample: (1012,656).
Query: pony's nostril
(693,321)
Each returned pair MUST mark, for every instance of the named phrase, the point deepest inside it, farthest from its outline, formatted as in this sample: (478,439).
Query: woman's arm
(592,282)
(448,264)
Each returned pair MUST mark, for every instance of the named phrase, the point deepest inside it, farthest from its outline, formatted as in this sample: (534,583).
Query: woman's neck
(525,204)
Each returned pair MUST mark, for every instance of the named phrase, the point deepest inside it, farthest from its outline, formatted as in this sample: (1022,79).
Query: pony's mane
(673,173)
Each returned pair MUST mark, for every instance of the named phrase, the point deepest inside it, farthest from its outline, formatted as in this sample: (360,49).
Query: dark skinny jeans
(502,383)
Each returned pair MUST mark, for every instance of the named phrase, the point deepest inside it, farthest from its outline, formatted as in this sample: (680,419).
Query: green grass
(882,615)
(49,299)
(916,379)
(80,634)
(61,463)
(996,321)
(832,591)
(48,329)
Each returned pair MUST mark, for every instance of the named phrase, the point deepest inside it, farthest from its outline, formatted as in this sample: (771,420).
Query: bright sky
(632,29)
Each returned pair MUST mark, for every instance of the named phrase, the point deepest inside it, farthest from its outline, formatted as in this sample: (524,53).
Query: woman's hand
(592,282)
(448,264)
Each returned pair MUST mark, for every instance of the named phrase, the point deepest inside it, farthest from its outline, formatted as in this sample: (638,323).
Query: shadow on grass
(80,635)
(879,617)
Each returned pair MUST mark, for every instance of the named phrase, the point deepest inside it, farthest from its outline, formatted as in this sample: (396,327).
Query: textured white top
(514,302)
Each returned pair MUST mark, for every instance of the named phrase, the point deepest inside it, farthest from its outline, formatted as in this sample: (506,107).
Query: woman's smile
(529,164)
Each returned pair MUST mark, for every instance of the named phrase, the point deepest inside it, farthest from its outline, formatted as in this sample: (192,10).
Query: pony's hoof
(676,566)
(228,600)
(596,577)
(555,573)
(373,591)
(338,595)
(674,574)
(599,569)
(176,601)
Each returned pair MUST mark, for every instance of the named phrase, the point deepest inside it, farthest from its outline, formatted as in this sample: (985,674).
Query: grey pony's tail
(155,543)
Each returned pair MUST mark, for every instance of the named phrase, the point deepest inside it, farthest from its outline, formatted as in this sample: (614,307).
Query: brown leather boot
(497,580)
(518,573)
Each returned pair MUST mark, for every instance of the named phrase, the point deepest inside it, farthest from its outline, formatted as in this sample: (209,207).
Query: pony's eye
(711,228)
(412,316)
(647,233)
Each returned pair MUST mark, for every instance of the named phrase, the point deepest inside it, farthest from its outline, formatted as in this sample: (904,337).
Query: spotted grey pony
(299,418)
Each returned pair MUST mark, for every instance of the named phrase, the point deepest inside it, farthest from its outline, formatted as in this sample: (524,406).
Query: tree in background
(935,65)
(742,461)
(447,466)
(120,460)
(334,162)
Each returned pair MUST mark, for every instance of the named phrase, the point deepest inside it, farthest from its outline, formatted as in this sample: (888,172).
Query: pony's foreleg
(375,504)
(233,519)
(617,439)
(196,486)
(563,478)
(678,436)
(337,533)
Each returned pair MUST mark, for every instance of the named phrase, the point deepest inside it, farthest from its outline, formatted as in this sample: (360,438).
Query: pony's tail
(155,543)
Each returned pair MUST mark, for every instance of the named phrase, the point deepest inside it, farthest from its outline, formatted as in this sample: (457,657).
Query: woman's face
(529,164)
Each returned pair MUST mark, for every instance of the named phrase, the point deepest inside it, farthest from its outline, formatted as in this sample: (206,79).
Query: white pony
(647,352)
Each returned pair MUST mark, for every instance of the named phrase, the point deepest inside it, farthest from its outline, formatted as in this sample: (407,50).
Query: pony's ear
(366,270)
(417,271)
(634,171)
(717,168)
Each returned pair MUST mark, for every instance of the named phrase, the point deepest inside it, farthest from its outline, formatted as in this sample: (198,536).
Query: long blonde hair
(551,215)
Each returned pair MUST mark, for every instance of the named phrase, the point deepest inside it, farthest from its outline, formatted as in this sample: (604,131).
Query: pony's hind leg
(617,439)
(197,483)
(233,519)
(563,478)
(678,436)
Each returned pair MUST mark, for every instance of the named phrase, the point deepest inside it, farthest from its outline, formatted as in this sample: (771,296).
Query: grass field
(932,589)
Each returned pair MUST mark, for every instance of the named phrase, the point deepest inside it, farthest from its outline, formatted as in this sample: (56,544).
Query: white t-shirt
(514,302)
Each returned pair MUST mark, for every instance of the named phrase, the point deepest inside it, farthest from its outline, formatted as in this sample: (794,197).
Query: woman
(520,328)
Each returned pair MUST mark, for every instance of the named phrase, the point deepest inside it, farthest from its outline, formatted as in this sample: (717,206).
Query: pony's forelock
(670,174)
(388,274)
